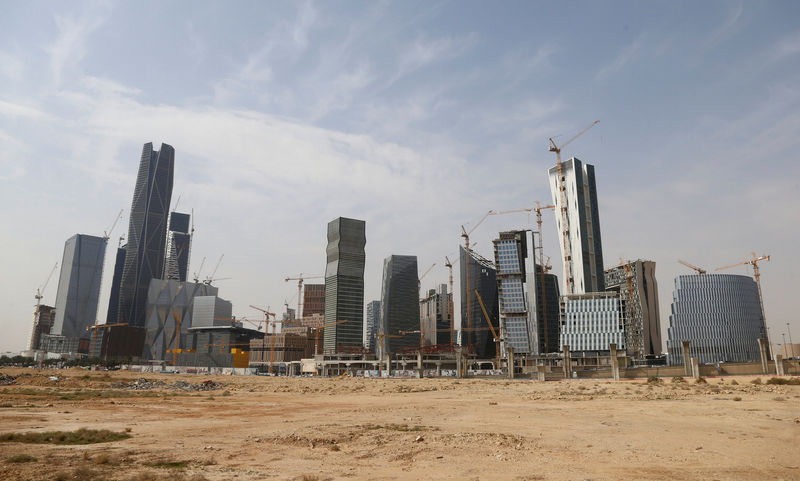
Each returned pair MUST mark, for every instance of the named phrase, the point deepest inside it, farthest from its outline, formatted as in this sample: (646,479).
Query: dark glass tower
(547,312)
(344,283)
(113,301)
(79,285)
(483,278)
(147,232)
(399,303)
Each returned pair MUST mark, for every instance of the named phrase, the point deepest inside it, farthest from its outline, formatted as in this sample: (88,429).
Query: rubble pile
(6,380)
(144,384)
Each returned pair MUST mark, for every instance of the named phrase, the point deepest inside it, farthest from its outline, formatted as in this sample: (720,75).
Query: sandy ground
(258,428)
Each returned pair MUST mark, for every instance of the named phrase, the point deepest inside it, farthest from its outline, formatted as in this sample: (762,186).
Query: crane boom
(300,278)
(497,338)
(699,270)
(107,234)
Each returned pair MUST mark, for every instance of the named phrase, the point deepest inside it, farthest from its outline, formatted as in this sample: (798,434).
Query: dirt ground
(258,428)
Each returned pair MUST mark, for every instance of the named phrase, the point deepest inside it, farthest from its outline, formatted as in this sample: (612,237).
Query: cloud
(787,46)
(69,47)
(15,110)
(11,67)
(625,57)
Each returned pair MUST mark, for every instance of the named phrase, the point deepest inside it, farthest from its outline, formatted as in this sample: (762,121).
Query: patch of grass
(21,458)
(167,464)
(397,427)
(81,436)
(677,380)
(335,447)
(101,459)
(654,380)
(783,381)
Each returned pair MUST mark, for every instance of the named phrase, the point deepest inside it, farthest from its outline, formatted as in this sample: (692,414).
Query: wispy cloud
(16,110)
(625,57)
(69,47)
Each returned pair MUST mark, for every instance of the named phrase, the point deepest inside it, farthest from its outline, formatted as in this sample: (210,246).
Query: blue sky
(414,116)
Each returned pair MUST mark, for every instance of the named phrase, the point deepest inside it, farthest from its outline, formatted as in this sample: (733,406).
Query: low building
(277,348)
(211,311)
(435,316)
(217,346)
(592,321)
(43,319)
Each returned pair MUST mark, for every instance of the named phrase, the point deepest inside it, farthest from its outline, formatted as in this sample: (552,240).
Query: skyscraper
(44,316)
(640,296)
(344,283)
(79,285)
(720,314)
(371,325)
(178,244)
(583,262)
(517,313)
(147,232)
(399,303)
(434,316)
(548,312)
(483,278)
(113,300)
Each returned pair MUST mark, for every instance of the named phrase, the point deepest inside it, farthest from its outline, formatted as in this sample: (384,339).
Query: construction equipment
(107,233)
(757,275)
(449,266)
(543,292)
(563,199)
(318,330)
(466,235)
(699,270)
(197,274)
(177,349)
(272,337)
(210,278)
(497,337)
(40,289)
(300,278)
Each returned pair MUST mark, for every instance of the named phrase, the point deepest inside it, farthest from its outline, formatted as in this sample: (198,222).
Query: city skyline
(448,118)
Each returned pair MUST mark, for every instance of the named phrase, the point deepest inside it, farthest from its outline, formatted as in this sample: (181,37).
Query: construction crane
(107,233)
(40,289)
(197,274)
(319,329)
(449,266)
(272,337)
(542,291)
(757,275)
(563,199)
(466,235)
(699,270)
(497,337)
(210,278)
(419,288)
(300,278)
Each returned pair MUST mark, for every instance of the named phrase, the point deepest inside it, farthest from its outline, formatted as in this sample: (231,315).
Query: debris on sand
(6,380)
(144,384)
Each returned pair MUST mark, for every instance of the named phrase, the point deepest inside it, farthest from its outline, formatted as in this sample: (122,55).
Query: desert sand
(267,428)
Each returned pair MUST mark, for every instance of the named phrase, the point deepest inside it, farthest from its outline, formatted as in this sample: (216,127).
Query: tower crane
(757,275)
(272,337)
(699,270)
(96,327)
(449,266)
(210,278)
(563,208)
(107,233)
(466,235)
(498,338)
(300,278)
(38,296)
(319,329)
(197,274)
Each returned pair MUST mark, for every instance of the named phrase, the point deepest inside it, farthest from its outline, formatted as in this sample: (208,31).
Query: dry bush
(678,379)
(737,398)
(756,381)
(784,381)
(700,380)
(21,458)
(654,380)
(81,436)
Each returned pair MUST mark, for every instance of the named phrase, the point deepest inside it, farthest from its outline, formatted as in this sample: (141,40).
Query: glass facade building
(399,304)
(147,232)
(179,240)
(720,314)
(516,319)
(435,317)
(79,285)
(590,322)
(371,325)
(482,278)
(583,226)
(344,284)
(113,301)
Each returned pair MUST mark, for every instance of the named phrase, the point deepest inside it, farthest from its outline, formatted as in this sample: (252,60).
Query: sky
(415,116)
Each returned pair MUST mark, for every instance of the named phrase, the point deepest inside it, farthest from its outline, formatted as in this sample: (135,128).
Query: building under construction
(273,349)
(635,281)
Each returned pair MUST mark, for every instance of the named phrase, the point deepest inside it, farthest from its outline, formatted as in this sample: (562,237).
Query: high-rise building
(636,284)
(344,283)
(548,312)
(79,285)
(583,264)
(179,241)
(399,303)
(483,278)
(592,321)
(435,316)
(515,295)
(371,325)
(147,232)
(313,299)
(720,314)
(170,305)
(43,319)
(113,300)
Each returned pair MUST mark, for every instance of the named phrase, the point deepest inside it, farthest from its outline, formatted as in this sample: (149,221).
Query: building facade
(475,334)
(147,232)
(43,319)
(720,314)
(516,309)
(585,267)
(170,304)
(179,240)
(79,285)
(113,301)
(636,283)
(371,323)
(435,317)
(313,299)
(590,322)
(211,311)
(548,312)
(344,283)
(399,304)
